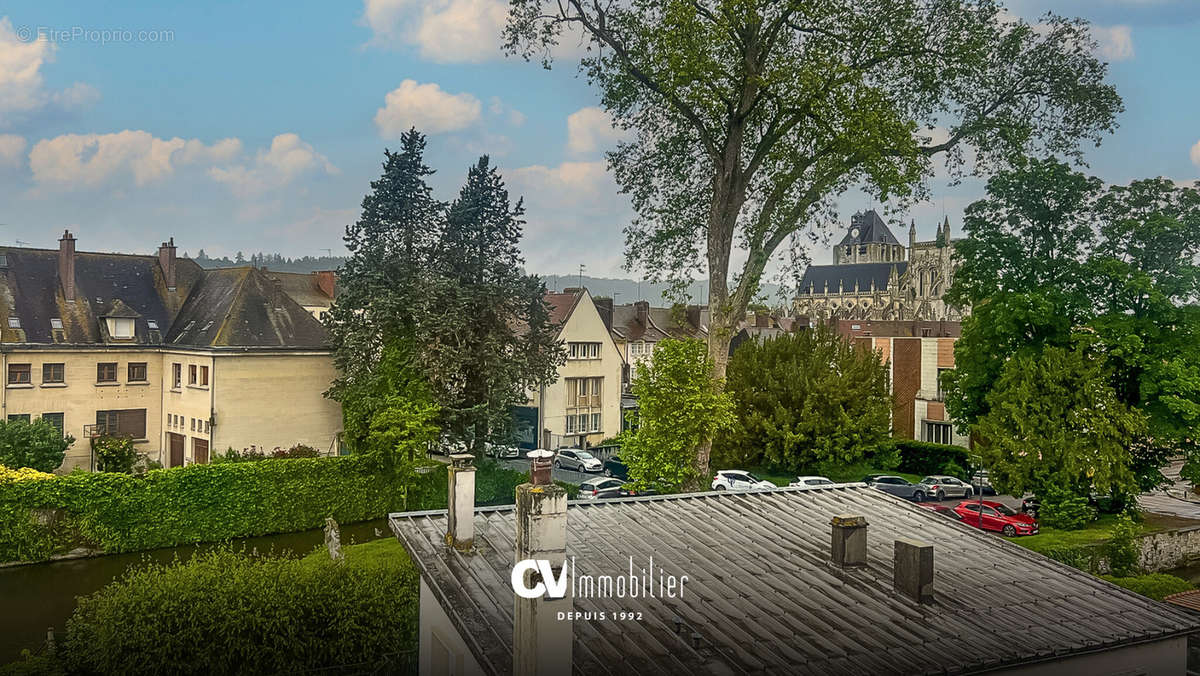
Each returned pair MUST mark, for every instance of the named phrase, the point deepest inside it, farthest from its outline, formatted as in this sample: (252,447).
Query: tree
(801,399)
(486,339)
(115,454)
(679,405)
(1055,427)
(751,116)
(37,445)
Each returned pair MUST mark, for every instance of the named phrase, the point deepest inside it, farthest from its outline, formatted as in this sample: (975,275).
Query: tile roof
(244,307)
(816,277)
(661,324)
(301,287)
(764,598)
(1189,599)
(561,305)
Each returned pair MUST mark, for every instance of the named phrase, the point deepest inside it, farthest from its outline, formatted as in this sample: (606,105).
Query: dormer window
(152,324)
(56,323)
(14,322)
(120,327)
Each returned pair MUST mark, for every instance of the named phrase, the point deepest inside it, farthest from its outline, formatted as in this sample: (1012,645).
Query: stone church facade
(875,277)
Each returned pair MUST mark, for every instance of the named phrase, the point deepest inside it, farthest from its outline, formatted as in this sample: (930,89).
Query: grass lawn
(383,552)
(1098,531)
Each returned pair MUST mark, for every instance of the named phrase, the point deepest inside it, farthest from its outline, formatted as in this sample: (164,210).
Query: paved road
(564,475)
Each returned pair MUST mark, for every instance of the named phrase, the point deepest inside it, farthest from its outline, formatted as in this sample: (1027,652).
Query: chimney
(605,307)
(66,265)
(326,281)
(849,546)
(642,307)
(912,566)
(542,644)
(572,289)
(166,261)
(693,316)
(461,514)
(762,320)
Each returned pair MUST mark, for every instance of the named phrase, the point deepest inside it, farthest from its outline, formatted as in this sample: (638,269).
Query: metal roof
(764,598)
(867,226)
(817,276)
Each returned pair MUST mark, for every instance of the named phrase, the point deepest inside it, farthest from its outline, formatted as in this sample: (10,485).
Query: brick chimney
(605,307)
(912,570)
(762,320)
(66,265)
(542,644)
(326,282)
(642,307)
(461,515)
(849,540)
(166,261)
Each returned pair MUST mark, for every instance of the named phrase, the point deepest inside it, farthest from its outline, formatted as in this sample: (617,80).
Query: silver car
(578,460)
(899,487)
(941,486)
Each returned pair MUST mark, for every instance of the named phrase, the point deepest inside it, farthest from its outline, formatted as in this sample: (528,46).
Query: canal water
(41,596)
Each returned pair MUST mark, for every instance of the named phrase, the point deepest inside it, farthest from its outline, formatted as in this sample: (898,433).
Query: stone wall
(1170,549)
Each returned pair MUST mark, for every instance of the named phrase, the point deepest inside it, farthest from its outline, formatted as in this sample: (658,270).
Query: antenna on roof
(581,268)
(21,242)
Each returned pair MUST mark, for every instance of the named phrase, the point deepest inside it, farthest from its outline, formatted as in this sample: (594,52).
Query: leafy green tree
(390,412)
(801,399)
(37,445)
(1055,427)
(486,338)
(680,405)
(749,117)
(115,454)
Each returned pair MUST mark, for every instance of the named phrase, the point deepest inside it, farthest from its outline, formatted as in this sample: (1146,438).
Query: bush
(923,457)
(223,612)
(115,454)
(1157,585)
(297,451)
(38,444)
(1064,511)
(1123,549)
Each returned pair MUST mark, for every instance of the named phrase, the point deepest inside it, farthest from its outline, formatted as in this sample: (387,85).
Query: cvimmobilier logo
(646,582)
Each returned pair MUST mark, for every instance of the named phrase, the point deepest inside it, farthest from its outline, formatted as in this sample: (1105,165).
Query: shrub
(36,444)
(297,451)
(1123,549)
(923,457)
(1064,511)
(1156,585)
(223,612)
(115,454)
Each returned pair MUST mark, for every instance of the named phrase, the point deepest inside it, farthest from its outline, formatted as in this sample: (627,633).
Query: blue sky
(254,126)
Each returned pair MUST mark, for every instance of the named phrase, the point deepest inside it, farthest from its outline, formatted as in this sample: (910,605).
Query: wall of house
(914,365)
(79,396)
(273,399)
(584,326)
(442,651)
(187,409)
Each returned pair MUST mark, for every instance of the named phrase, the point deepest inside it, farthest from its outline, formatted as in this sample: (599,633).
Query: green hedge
(923,457)
(227,613)
(1156,585)
(211,503)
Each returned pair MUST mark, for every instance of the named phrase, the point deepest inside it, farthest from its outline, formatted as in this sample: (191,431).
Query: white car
(578,460)
(737,480)
(812,481)
(594,488)
(503,451)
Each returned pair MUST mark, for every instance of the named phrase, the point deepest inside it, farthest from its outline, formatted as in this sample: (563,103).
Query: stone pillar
(542,643)
(460,518)
(849,540)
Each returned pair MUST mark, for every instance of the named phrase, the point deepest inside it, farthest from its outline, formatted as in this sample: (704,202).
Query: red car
(996,516)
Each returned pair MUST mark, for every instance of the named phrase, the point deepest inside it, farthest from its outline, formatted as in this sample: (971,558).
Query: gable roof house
(843,579)
(182,359)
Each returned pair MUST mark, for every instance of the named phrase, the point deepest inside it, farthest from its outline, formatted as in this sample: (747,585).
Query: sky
(235,126)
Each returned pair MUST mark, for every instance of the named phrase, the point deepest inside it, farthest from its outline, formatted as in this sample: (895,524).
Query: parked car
(626,491)
(941,487)
(737,480)
(989,515)
(899,487)
(982,483)
(503,451)
(578,460)
(600,488)
(812,481)
(1030,506)
(614,466)
(944,510)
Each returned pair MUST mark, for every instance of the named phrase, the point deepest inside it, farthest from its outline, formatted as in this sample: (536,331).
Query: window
(106,372)
(152,324)
(191,374)
(55,419)
(193,423)
(583,350)
(53,373)
(583,392)
(56,323)
(19,374)
(120,327)
(939,432)
(176,375)
(137,371)
(941,396)
(23,417)
(14,322)
(595,422)
(570,424)
(126,423)
(204,376)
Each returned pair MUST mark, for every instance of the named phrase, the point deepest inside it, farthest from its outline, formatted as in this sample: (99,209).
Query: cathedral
(875,277)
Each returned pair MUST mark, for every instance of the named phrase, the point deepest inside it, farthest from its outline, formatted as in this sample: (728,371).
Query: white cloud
(591,129)
(22,89)
(426,107)
(84,160)
(11,149)
(1195,154)
(1115,42)
(288,158)
(444,31)
(498,108)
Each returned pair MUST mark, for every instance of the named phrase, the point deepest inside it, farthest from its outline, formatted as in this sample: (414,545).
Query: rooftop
(764,598)
(847,274)
(866,227)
